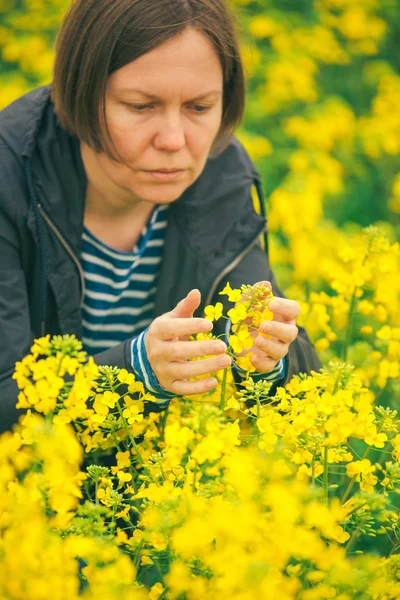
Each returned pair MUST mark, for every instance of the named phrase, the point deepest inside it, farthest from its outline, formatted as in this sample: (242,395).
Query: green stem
(113,523)
(352,540)
(160,573)
(137,558)
(194,478)
(326,473)
(163,423)
(353,479)
(353,510)
(49,417)
(349,326)
(132,440)
(313,471)
(394,549)
(258,415)
(223,390)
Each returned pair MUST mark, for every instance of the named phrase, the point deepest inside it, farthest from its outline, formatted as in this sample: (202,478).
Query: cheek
(127,142)
(201,137)
(126,136)
(118,173)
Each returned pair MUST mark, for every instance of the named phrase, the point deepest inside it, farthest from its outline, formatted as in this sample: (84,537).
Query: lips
(166,175)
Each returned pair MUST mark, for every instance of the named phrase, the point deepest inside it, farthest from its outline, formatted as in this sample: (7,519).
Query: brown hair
(98,37)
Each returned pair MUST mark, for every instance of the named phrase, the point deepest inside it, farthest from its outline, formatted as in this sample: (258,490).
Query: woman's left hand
(266,353)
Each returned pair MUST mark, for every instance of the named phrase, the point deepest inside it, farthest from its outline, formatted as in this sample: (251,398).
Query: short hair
(98,37)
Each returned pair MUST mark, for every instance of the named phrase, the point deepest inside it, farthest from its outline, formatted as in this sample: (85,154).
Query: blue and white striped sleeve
(144,373)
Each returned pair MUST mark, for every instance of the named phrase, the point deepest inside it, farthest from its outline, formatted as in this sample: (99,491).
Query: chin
(162,194)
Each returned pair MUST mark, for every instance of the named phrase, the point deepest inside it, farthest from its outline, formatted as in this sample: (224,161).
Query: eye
(140,107)
(199,108)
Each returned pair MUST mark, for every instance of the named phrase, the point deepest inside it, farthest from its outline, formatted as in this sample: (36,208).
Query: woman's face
(164,111)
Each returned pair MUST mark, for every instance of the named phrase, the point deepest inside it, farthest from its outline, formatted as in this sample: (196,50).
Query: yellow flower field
(244,493)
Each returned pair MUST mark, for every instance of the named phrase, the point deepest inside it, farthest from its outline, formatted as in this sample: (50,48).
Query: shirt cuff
(142,369)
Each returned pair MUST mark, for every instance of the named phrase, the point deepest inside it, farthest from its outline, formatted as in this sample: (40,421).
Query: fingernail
(212,383)
(274,305)
(224,361)
(266,327)
(220,348)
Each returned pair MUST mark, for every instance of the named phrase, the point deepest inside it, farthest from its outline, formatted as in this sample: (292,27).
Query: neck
(105,205)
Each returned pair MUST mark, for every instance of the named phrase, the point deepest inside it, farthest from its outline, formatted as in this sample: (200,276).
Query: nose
(170,136)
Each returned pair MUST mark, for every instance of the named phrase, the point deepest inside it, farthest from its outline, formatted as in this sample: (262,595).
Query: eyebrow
(155,97)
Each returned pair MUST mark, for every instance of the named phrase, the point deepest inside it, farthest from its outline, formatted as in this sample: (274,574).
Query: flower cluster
(247,493)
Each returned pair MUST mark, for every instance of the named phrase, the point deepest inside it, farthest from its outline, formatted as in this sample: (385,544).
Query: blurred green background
(322,119)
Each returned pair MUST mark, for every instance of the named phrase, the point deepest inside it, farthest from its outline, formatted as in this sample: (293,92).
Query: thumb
(186,307)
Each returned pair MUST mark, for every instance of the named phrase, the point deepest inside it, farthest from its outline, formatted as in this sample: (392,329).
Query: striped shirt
(120,287)
(119,298)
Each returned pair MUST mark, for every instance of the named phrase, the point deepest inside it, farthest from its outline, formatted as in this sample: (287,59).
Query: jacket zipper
(67,247)
(231,266)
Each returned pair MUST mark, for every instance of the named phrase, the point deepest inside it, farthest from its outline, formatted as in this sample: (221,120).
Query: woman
(125,203)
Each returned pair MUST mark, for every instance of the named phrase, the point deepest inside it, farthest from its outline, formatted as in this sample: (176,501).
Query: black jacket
(212,237)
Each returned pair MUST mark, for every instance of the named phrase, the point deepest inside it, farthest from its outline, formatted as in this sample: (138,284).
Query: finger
(271,348)
(188,388)
(187,306)
(284,310)
(266,284)
(176,351)
(283,332)
(263,364)
(168,329)
(187,370)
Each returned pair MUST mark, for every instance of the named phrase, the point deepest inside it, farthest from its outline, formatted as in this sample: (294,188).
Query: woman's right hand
(169,349)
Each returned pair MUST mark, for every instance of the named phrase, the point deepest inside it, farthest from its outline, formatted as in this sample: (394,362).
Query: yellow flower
(123,461)
(241,340)
(100,407)
(213,313)
(156,591)
(232,403)
(124,477)
(233,295)
(136,387)
(362,471)
(41,345)
(366,330)
(373,438)
(262,26)
(244,362)
(125,377)
(132,414)
(108,398)
(341,535)
(239,313)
